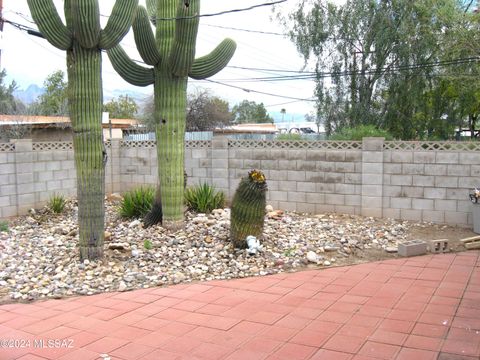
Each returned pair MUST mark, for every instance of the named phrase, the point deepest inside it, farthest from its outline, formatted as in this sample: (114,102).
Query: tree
(373,60)
(54,101)
(83,40)
(251,112)
(171,53)
(123,108)
(206,112)
(8,104)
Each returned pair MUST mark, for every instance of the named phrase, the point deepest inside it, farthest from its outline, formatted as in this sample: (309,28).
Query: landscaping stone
(38,261)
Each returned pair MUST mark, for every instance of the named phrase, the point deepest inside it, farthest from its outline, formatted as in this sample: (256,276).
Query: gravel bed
(39,255)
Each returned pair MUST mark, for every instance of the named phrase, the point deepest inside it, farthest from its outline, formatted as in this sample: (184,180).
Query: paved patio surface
(424,307)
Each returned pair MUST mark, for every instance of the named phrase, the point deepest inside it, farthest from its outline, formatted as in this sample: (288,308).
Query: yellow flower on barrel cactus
(248,209)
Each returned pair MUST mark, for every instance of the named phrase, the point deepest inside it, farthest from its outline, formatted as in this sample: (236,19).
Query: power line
(245,30)
(223,12)
(381,71)
(258,92)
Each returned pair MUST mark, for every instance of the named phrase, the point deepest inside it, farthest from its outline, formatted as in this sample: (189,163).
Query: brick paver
(425,307)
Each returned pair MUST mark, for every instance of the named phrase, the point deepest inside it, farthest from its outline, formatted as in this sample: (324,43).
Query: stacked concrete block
(372,177)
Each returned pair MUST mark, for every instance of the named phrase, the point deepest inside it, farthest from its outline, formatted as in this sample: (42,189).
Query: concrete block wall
(30,173)
(304,180)
(403,180)
(430,185)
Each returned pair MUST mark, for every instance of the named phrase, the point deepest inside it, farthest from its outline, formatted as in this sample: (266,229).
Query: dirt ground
(417,231)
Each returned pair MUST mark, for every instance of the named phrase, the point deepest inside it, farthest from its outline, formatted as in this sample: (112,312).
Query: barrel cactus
(171,54)
(83,40)
(248,209)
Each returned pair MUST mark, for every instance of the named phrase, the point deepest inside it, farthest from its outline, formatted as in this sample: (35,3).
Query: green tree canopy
(251,112)
(206,112)
(381,63)
(54,101)
(122,108)
(8,104)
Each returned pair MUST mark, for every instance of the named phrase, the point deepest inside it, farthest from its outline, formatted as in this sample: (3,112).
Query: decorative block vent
(412,248)
(295,144)
(138,144)
(198,144)
(46,146)
(438,246)
(7,147)
(431,146)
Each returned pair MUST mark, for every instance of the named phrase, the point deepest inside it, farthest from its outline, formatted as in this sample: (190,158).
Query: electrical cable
(223,12)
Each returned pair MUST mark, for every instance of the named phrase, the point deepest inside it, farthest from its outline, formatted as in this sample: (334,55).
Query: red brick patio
(424,307)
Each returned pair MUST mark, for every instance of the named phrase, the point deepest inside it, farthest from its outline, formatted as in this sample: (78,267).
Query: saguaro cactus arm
(144,38)
(152,11)
(86,22)
(50,24)
(118,24)
(128,69)
(214,62)
(182,54)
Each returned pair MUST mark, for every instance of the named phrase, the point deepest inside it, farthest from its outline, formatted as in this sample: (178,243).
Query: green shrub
(137,203)
(3,226)
(57,203)
(148,245)
(359,132)
(287,137)
(204,198)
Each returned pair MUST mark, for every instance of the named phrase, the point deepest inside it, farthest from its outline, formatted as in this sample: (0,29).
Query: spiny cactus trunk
(85,103)
(247,215)
(170,114)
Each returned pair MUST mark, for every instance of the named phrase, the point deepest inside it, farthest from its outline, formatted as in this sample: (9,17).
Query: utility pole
(1,32)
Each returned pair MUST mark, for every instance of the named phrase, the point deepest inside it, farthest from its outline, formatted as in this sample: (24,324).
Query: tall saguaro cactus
(83,39)
(171,53)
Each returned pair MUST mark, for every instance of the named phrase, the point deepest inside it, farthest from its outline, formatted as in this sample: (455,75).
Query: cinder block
(438,246)
(446,181)
(346,167)
(424,157)
(412,248)
(306,165)
(335,155)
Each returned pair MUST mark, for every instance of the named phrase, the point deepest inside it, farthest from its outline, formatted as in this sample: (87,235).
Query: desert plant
(289,136)
(359,132)
(137,203)
(171,53)
(248,209)
(83,39)
(3,226)
(57,203)
(204,198)
(147,244)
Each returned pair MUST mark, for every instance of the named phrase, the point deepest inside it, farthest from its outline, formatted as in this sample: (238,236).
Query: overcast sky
(30,59)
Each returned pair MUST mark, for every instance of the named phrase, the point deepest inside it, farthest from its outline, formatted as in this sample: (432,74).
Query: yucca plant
(3,226)
(57,203)
(248,209)
(204,198)
(137,203)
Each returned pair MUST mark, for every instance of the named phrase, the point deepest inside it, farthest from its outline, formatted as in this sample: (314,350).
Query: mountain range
(33,91)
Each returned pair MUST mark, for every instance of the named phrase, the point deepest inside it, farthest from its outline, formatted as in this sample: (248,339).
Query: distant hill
(29,95)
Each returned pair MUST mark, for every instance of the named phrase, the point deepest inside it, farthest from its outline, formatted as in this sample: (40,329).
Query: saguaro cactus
(248,209)
(171,53)
(83,39)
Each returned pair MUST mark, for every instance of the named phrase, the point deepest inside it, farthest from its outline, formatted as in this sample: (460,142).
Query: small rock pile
(39,255)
